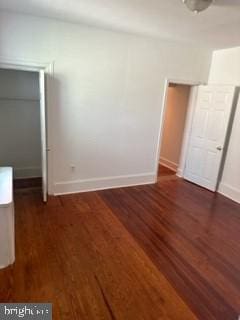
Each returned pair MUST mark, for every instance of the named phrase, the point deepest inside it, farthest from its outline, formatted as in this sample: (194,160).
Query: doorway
(195,126)
(173,128)
(173,133)
(23,127)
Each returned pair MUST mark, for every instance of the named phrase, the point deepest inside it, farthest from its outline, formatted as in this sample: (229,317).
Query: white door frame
(188,122)
(48,68)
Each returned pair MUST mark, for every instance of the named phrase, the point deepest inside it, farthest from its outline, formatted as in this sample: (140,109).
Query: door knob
(219,148)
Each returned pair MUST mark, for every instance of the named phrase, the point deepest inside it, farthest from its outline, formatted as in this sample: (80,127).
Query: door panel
(43,134)
(208,133)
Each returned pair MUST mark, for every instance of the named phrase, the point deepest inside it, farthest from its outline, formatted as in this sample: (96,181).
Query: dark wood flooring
(164,171)
(164,251)
(27,183)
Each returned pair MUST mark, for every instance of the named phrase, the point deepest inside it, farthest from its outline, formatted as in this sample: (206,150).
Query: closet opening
(23,128)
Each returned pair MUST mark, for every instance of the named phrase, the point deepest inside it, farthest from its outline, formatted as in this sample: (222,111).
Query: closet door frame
(43,120)
(48,69)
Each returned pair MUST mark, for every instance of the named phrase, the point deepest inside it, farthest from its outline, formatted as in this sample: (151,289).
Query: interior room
(119,159)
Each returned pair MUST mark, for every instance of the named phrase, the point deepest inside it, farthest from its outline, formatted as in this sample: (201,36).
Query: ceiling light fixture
(197,5)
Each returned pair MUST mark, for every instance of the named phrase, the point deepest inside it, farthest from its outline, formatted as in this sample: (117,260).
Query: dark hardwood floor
(27,183)
(164,171)
(164,251)
(192,236)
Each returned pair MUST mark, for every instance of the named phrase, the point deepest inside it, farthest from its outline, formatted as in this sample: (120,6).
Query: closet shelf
(18,99)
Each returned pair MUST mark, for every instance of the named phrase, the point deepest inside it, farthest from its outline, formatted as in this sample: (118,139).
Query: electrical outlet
(73,167)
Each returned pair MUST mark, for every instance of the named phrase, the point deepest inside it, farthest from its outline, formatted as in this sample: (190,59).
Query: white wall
(174,124)
(225,69)
(105,107)
(20,140)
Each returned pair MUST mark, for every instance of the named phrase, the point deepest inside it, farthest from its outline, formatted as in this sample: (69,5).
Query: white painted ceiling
(217,27)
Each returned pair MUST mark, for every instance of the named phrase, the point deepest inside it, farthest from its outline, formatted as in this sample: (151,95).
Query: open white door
(208,134)
(43,133)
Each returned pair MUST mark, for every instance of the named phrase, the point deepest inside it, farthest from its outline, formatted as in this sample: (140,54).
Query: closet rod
(18,99)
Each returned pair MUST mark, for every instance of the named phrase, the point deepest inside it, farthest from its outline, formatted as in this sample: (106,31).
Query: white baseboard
(229,191)
(28,172)
(78,186)
(169,164)
(179,173)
